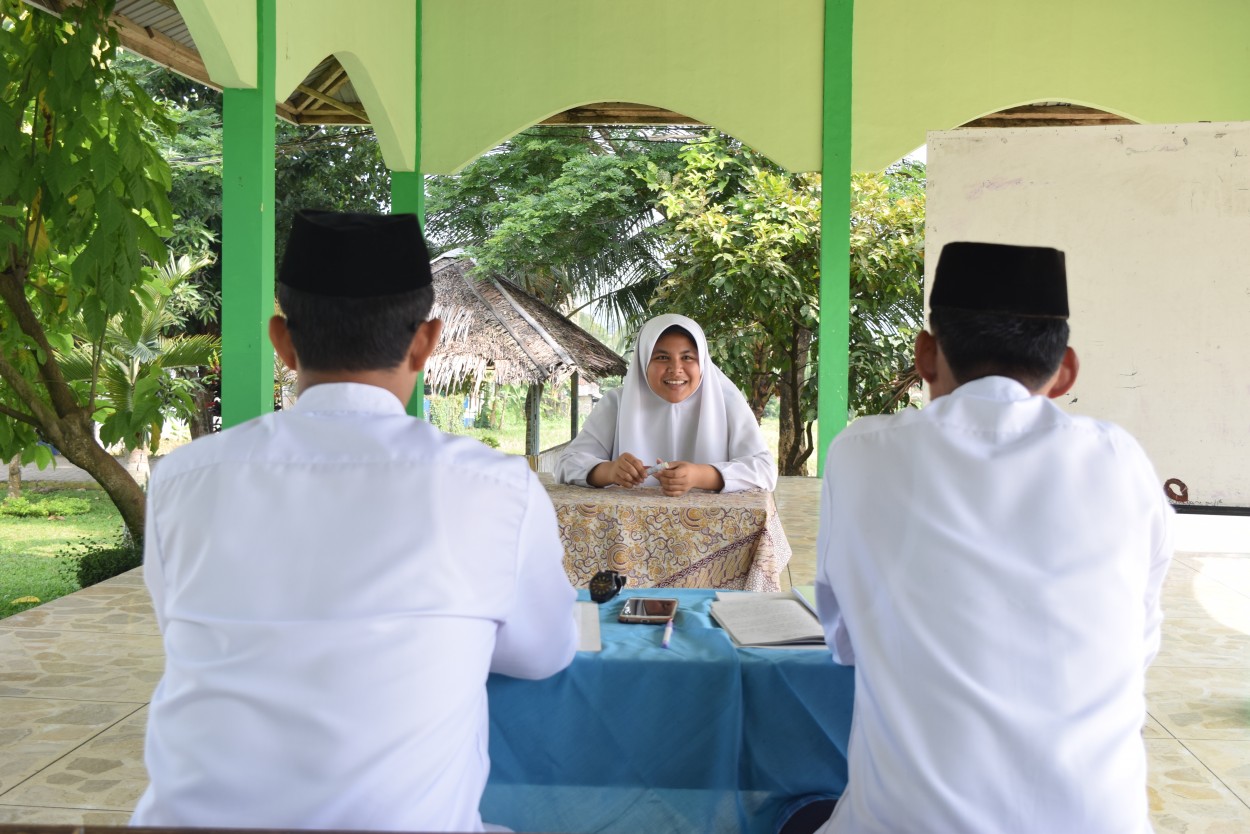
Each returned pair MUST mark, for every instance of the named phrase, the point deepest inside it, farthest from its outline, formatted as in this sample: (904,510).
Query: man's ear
(280,336)
(926,356)
(1064,378)
(423,343)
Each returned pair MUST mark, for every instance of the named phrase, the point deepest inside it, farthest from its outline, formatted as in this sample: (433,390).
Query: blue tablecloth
(698,737)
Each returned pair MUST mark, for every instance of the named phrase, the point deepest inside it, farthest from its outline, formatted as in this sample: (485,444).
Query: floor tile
(1153,729)
(798,505)
(1204,641)
(79,665)
(114,607)
(1207,703)
(1229,761)
(1188,593)
(1230,570)
(1186,797)
(35,732)
(31,815)
(106,773)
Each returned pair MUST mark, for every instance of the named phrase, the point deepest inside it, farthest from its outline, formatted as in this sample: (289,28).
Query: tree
(138,389)
(744,242)
(564,212)
(83,203)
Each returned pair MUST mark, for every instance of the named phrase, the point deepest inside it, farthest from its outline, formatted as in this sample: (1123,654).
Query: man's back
(334,584)
(992,567)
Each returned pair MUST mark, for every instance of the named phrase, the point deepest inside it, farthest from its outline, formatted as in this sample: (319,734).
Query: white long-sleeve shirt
(992,567)
(747,463)
(333,584)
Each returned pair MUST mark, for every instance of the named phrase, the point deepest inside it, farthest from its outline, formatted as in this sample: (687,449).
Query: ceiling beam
(343,106)
(618,113)
(1048,115)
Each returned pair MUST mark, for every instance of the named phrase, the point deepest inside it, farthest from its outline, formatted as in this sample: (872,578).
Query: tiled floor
(76,675)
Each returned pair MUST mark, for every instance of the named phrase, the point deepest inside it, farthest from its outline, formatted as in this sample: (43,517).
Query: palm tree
(137,387)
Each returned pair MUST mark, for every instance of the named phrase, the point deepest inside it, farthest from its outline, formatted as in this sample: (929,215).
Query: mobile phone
(658,610)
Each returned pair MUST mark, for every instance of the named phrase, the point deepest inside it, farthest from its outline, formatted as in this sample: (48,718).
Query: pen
(668,634)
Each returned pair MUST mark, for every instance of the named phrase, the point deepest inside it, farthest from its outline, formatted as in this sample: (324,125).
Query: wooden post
(573,386)
(533,402)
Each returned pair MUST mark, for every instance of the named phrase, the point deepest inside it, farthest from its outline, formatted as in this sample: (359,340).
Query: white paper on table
(587,616)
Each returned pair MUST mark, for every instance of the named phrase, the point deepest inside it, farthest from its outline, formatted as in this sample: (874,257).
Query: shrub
(92,561)
(490,440)
(23,507)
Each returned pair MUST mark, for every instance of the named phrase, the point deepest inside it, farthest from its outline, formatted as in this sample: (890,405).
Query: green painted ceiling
(493,67)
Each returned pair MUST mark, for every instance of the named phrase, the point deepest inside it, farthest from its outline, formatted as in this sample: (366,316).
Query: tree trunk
(794,445)
(76,441)
(15,477)
(533,404)
(762,385)
(573,405)
(201,422)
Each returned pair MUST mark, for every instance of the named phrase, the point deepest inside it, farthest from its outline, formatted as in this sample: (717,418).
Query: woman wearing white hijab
(675,407)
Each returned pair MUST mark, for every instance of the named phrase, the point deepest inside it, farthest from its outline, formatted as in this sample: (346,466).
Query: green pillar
(247,235)
(835,226)
(408,197)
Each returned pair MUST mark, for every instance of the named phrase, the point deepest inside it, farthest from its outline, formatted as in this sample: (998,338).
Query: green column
(835,226)
(408,196)
(247,235)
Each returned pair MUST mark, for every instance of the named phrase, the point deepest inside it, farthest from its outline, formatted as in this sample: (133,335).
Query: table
(701,736)
(730,540)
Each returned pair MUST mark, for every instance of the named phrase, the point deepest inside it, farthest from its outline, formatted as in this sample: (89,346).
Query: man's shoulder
(283,439)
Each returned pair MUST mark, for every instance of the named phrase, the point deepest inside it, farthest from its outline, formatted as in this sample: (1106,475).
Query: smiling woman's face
(673,371)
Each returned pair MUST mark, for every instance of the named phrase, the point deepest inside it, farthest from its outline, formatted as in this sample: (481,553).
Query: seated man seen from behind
(334,582)
(991,565)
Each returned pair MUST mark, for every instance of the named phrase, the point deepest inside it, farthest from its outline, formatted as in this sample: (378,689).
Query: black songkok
(350,255)
(998,278)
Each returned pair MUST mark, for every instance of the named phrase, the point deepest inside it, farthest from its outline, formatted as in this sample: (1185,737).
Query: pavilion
(817,85)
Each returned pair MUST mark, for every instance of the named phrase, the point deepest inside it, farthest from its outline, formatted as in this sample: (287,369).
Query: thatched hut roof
(489,322)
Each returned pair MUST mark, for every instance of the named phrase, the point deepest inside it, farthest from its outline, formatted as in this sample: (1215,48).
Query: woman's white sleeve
(593,444)
(750,464)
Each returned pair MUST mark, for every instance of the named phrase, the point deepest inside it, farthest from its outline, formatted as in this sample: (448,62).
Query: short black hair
(977,344)
(332,333)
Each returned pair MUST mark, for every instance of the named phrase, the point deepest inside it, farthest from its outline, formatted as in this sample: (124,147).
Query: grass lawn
(35,553)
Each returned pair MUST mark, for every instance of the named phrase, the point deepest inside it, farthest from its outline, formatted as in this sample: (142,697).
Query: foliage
(34,563)
(139,389)
(563,211)
(83,206)
(45,508)
(887,302)
(95,560)
(337,168)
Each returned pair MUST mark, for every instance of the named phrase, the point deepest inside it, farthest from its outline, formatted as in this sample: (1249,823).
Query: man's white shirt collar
(993,388)
(349,397)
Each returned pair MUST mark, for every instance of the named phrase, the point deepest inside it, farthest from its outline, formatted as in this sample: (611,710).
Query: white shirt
(333,584)
(992,567)
(714,425)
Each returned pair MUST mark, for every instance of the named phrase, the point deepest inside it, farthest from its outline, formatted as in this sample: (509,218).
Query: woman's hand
(682,476)
(626,471)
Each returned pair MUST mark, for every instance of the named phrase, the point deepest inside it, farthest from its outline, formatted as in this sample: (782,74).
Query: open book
(780,619)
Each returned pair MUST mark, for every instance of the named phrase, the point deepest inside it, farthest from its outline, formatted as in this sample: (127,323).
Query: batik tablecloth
(700,540)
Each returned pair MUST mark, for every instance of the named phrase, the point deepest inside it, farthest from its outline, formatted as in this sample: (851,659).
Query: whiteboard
(1155,221)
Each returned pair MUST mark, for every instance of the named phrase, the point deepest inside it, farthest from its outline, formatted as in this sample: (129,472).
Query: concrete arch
(929,68)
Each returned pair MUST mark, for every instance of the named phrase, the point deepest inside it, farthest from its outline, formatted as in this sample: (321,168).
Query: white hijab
(695,429)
